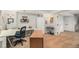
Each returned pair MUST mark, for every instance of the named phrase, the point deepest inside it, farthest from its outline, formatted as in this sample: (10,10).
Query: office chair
(19,35)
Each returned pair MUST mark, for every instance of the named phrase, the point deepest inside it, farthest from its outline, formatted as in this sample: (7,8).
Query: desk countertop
(8,32)
(37,34)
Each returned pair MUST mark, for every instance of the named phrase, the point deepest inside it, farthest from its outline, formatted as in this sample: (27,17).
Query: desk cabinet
(36,39)
(2,42)
(36,42)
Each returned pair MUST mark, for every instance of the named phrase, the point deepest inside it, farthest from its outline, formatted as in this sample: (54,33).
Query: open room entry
(40,23)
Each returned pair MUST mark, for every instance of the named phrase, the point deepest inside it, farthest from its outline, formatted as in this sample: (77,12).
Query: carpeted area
(25,44)
(64,40)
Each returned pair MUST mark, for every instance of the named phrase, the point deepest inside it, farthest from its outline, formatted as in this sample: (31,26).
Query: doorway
(77,23)
(69,23)
(40,24)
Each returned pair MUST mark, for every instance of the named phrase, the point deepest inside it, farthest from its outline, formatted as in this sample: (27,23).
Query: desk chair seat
(19,36)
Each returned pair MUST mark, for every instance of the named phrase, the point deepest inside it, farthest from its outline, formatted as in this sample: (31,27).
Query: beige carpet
(25,44)
(64,40)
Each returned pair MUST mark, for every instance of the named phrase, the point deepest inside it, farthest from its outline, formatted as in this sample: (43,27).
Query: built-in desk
(36,39)
(9,32)
(4,34)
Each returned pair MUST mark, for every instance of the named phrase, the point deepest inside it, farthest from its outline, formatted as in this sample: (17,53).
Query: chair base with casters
(19,41)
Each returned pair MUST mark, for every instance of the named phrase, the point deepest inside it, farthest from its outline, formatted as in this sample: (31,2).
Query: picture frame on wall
(46,22)
(51,19)
(24,19)
(10,20)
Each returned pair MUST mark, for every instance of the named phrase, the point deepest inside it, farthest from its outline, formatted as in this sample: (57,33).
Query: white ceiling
(39,11)
(61,12)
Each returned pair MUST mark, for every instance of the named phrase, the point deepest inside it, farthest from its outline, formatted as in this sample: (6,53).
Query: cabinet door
(66,26)
(2,42)
(36,42)
(69,23)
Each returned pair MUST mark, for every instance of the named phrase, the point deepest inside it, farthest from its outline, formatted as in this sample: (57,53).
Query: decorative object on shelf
(30,26)
(46,22)
(10,20)
(51,19)
(24,19)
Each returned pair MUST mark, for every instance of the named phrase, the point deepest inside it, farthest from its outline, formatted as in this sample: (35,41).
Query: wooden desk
(36,39)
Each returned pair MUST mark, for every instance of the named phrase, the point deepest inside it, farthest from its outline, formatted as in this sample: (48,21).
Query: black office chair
(19,35)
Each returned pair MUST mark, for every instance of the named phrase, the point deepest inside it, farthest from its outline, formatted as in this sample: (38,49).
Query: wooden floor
(64,40)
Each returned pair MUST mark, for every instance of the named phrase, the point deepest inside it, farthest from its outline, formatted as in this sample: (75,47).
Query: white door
(66,26)
(40,23)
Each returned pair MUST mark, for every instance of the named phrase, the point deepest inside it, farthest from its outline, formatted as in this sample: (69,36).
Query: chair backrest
(23,30)
(17,34)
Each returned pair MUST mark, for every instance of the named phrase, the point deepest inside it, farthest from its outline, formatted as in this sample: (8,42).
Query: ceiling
(61,12)
(39,11)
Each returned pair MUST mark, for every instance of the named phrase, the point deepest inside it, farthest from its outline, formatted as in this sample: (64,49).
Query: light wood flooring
(64,40)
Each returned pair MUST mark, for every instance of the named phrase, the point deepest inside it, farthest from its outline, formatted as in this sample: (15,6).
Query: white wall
(47,18)
(0,19)
(17,16)
(32,20)
(58,24)
(5,15)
